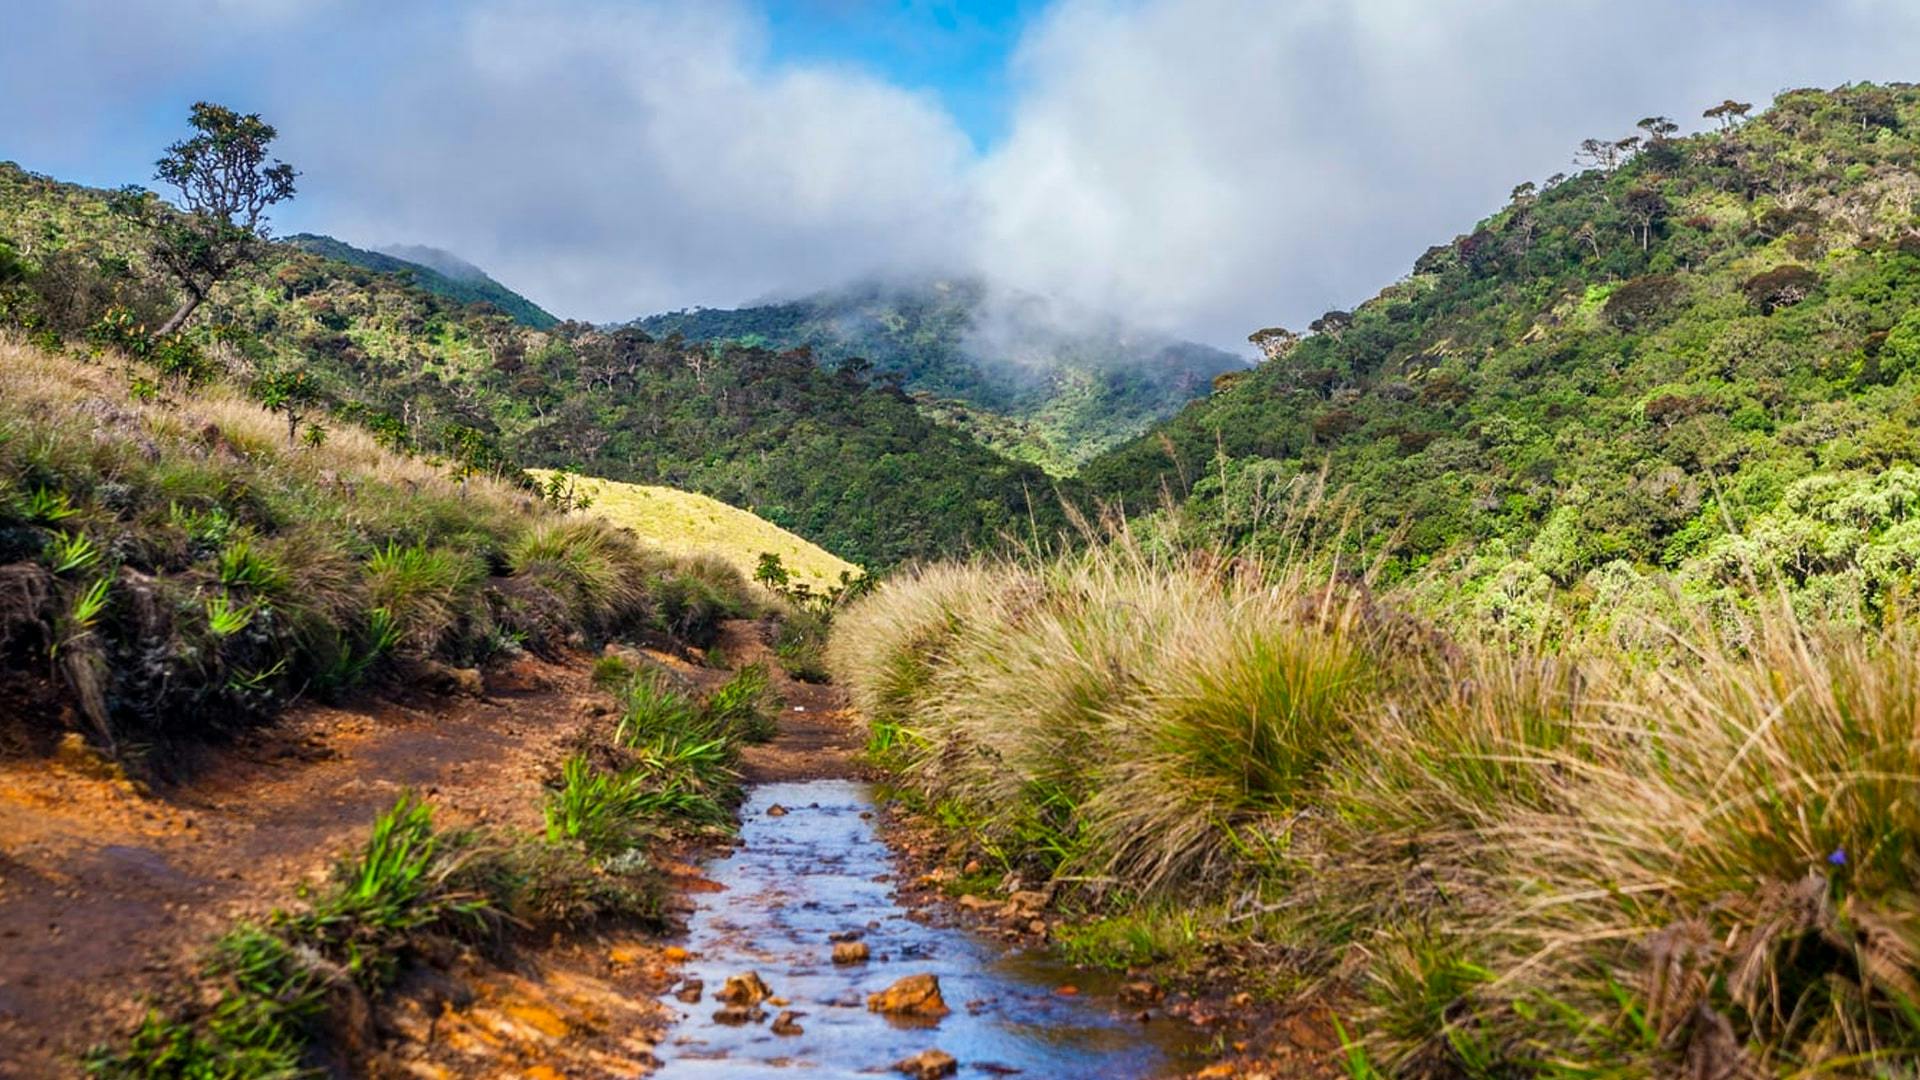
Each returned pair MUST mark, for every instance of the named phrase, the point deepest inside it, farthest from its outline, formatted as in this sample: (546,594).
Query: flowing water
(821,869)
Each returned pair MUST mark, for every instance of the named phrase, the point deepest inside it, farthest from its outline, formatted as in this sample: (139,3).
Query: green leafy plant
(242,565)
(225,618)
(67,552)
(46,506)
(746,705)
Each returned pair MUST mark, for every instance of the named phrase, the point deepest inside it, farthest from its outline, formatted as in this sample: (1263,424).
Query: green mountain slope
(436,271)
(852,467)
(1614,370)
(1041,384)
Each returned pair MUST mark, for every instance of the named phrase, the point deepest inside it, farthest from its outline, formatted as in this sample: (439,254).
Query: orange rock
(928,1065)
(744,989)
(675,954)
(851,952)
(915,995)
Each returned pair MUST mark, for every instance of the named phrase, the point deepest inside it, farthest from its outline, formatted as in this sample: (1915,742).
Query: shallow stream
(822,869)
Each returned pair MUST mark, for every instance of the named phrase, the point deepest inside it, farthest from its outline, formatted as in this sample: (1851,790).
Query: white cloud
(629,158)
(1205,166)
(1218,165)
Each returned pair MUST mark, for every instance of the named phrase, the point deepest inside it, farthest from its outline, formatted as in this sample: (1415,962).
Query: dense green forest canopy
(1023,374)
(460,282)
(1620,368)
(851,466)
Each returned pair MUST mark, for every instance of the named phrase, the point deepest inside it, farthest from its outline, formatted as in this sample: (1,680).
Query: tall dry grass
(184,567)
(1699,859)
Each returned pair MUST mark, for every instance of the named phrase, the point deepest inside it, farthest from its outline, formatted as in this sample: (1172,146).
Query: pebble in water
(801,887)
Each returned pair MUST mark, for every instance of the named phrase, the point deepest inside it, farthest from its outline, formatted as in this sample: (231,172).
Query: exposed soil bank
(108,894)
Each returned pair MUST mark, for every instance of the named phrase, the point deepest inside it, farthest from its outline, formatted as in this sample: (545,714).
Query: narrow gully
(822,869)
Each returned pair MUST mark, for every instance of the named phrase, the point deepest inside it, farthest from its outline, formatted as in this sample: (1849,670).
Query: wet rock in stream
(736,1015)
(928,1065)
(807,885)
(744,989)
(915,995)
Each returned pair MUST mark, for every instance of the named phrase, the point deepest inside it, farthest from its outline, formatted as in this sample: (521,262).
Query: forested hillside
(853,467)
(1030,379)
(1620,368)
(460,282)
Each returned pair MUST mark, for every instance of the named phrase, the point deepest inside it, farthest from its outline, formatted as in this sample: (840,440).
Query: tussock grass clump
(666,762)
(1504,861)
(602,575)
(203,572)
(429,591)
(1118,716)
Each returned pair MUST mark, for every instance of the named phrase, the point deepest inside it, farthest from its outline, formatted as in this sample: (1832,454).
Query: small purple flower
(1839,856)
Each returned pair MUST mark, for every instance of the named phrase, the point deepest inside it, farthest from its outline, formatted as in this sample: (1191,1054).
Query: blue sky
(959,51)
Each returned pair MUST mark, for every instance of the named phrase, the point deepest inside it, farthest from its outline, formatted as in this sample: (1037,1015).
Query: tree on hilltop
(226,184)
(1274,342)
(1729,113)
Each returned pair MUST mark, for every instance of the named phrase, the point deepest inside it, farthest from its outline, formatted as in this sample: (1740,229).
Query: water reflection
(822,870)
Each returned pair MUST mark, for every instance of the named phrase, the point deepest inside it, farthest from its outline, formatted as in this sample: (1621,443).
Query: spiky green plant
(226,618)
(67,552)
(746,705)
(242,565)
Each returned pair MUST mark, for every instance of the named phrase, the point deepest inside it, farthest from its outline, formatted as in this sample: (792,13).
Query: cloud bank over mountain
(1200,166)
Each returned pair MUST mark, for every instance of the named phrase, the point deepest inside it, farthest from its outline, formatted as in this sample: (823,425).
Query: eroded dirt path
(106,893)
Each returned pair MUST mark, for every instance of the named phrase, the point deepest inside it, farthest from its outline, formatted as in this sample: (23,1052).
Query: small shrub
(612,673)
(799,644)
(427,591)
(560,887)
(599,810)
(1781,287)
(407,881)
(260,1024)
(691,608)
(745,706)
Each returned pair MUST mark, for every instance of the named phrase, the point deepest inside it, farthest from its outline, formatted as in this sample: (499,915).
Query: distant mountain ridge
(1022,373)
(439,272)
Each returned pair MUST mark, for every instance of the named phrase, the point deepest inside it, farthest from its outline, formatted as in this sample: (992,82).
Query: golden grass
(54,384)
(683,523)
(1584,858)
(186,516)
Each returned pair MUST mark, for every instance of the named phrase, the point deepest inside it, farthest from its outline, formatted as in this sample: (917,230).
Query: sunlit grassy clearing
(684,523)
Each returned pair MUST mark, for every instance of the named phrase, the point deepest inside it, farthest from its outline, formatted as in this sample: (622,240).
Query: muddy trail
(808,905)
(812,875)
(109,893)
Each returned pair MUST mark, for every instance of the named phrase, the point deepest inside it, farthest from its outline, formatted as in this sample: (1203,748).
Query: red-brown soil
(109,891)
